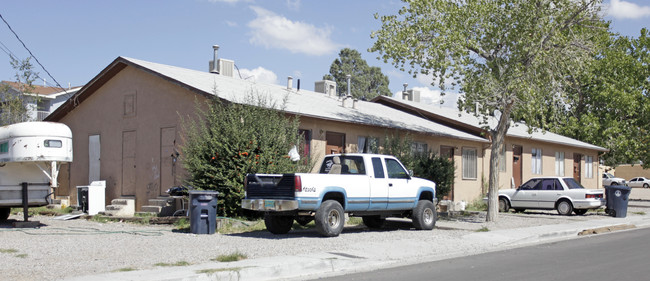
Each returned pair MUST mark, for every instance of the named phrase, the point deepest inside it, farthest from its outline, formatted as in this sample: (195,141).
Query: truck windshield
(344,165)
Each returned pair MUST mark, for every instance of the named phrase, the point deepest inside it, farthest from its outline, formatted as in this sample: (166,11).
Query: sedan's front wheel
(504,206)
(564,208)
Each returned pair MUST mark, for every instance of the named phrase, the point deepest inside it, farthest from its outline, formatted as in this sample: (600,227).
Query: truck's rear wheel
(330,218)
(278,224)
(4,214)
(424,215)
(373,221)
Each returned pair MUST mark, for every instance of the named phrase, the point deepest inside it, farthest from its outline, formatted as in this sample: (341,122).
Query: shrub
(427,165)
(229,140)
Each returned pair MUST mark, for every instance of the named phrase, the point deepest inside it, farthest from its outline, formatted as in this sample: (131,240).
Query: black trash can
(617,197)
(203,211)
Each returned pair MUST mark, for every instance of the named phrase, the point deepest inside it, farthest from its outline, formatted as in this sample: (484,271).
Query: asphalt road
(616,256)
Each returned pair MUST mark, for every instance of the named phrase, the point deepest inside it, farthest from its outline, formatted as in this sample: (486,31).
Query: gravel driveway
(60,249)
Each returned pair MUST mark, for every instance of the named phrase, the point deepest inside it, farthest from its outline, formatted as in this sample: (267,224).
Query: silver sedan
(565,195)
(639,182)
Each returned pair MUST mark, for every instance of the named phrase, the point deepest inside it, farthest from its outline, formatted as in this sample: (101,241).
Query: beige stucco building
(126,126)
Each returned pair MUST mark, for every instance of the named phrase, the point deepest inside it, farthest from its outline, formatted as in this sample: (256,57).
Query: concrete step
(162,202)
(121,207)
(151,209)
(120,201)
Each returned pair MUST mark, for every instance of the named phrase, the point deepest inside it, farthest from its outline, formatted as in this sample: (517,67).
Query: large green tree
(13,105)
(367,81)
(511,57)
(611,105)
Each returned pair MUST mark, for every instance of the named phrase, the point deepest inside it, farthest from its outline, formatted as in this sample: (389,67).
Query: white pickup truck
(369,186)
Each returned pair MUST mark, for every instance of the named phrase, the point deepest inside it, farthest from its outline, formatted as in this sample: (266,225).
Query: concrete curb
(393,254)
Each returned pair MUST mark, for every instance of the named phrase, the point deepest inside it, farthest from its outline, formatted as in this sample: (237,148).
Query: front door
(94,149)
(526,195)
(516,164)
(128,163)
(379,184)
(168,156)
(335,143)
(447,152)
(576,166)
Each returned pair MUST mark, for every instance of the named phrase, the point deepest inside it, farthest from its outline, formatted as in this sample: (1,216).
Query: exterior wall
(137,105)
(630,171)
(548,162)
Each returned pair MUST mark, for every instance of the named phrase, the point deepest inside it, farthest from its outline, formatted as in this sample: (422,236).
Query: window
(572,183)
(534,184)
(349,165)
(378,168)
(4,147)
(589,167)
(53,143)
(395,170)
(418,147)
(367,145)
(536,161)
(469,163)
(559,163)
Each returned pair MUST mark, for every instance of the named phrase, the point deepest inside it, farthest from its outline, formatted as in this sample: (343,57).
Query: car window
(534,184)
(378,168)
(395,170)
(349,165)
(572,183)
(548,184)
(634,179)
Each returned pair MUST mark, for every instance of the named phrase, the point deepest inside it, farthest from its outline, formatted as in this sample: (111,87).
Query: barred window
(469,163)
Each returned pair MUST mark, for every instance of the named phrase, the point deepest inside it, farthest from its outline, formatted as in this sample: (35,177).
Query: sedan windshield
(572,183)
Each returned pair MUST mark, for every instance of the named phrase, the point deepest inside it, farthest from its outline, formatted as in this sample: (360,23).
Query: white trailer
(30,155)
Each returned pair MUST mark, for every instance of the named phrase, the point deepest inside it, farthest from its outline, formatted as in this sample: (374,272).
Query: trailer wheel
(4,214)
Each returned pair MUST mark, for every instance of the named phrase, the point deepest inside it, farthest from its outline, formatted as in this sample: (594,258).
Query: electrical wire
(31,54)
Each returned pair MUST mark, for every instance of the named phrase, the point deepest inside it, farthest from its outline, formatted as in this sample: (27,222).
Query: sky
(269,40)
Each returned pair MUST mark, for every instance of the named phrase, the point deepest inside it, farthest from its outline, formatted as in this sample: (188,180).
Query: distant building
(42,100)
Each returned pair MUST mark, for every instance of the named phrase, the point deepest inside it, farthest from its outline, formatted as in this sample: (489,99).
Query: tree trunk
(498,141)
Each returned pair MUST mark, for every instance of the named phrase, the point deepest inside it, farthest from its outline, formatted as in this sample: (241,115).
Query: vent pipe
(405,95)
(298,86)
(215,65)
(349,78)
(289,83)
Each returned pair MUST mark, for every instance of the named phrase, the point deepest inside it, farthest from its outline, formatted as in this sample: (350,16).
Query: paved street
(616,256)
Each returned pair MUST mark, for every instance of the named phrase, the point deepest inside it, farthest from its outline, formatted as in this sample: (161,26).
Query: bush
(424,165)
(229,140)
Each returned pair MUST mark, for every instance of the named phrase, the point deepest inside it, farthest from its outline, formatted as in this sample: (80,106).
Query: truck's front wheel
(278,224)
(424,215)
(330,218)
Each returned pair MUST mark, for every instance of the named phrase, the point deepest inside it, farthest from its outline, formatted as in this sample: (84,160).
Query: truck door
(378,186)
(399,195)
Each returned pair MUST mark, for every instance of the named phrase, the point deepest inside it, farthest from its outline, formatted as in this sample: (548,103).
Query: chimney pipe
(405,95)
(215,67)
(298,85)
(349,78)
(289,83)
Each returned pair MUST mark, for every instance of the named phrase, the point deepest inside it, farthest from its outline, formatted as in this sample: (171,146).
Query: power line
(31,54)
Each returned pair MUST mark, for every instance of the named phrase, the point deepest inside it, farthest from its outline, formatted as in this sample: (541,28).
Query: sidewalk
(376,254)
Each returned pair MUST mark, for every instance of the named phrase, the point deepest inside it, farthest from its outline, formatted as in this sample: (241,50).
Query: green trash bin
(203,211)
(617,197)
